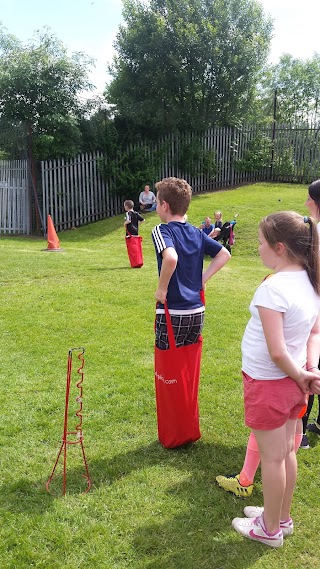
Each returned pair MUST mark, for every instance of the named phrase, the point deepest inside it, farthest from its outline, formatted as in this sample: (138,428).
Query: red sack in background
(134,248)
(177,375)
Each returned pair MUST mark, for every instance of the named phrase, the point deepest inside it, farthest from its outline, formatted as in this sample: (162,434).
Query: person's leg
(298,435)
(291,470)
(318,418)
(242,484)
(252,458)
(315,427)
(274,446)
(251,462)
(305,417)
(161,332)
(277,455)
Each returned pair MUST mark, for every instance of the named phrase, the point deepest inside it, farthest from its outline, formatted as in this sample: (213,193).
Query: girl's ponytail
(312,265)
(300,236)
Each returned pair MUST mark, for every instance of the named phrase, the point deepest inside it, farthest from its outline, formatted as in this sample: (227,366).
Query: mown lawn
(149,508)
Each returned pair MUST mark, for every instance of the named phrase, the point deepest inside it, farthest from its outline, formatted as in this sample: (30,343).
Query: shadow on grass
(25,496)
(94,230)
(197,534)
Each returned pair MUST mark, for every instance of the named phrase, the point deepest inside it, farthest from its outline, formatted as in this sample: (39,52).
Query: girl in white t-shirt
(280,354)
(242,484)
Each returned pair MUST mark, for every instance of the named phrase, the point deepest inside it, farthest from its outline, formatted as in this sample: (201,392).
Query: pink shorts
(268,404)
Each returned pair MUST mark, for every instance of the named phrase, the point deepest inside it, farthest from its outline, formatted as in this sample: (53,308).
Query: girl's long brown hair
(300,236)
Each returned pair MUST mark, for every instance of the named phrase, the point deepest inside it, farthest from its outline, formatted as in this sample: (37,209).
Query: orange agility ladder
(74,437)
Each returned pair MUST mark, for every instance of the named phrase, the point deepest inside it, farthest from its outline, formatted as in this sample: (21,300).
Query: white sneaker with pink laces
(255,511)
(254,529)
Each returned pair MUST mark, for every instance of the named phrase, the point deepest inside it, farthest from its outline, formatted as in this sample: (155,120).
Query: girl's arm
(313,346)
(169,263)
(313,355)
(272,323)
(216,264)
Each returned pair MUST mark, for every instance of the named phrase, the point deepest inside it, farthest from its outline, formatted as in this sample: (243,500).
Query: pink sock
(251,462)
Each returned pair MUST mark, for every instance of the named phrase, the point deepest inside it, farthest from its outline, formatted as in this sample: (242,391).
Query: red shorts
(268,404)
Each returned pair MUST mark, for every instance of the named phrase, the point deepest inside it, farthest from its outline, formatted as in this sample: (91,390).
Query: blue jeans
(152,208)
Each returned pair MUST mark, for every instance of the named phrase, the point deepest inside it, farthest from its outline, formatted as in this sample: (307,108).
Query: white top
(292,294)
(147,198)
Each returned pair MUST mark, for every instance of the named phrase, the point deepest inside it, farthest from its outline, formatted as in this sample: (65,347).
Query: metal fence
(15,206)
(74,193)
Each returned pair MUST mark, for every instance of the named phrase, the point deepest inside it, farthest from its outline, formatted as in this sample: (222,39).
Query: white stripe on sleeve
(158,239)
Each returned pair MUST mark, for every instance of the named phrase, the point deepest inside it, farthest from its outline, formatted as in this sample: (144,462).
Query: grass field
(149,508)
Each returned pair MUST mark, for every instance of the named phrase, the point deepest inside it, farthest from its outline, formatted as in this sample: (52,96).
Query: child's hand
(308,379)
(315,387)
(315,383)
(161,295)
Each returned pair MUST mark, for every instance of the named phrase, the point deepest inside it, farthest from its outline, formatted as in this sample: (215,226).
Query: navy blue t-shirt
(191,244)
(208,230)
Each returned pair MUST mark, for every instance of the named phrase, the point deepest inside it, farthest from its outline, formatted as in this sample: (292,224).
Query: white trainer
(253,511)
(253,529)
(256,511)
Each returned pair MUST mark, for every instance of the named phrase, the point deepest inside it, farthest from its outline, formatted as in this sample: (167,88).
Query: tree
(296,84)
(187,64)
(40,86)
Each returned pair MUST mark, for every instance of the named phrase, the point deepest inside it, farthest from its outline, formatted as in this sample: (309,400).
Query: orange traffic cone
(53,241)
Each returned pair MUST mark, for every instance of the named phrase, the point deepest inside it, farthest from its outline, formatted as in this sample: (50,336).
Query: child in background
(280,354)
(313,205)
(132,220)
(206,226)
(180,249)
(217,225)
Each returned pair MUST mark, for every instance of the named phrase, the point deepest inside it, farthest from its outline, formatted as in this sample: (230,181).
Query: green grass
(149,508)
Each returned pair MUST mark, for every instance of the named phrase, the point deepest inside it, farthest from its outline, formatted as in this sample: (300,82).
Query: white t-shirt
(292,294)
(147,198)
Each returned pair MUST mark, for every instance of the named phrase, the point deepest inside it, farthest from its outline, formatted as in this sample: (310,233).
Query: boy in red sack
(180,249)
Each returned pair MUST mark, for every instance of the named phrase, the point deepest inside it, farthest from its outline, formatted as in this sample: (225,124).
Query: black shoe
(313,428)
(304,443)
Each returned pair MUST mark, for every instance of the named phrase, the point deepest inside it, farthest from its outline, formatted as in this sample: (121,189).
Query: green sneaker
(232,484)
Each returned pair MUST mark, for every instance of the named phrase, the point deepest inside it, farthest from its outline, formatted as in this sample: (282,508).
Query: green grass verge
(149,508)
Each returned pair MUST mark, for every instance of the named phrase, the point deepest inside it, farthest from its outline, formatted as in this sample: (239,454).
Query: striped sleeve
(158,239)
